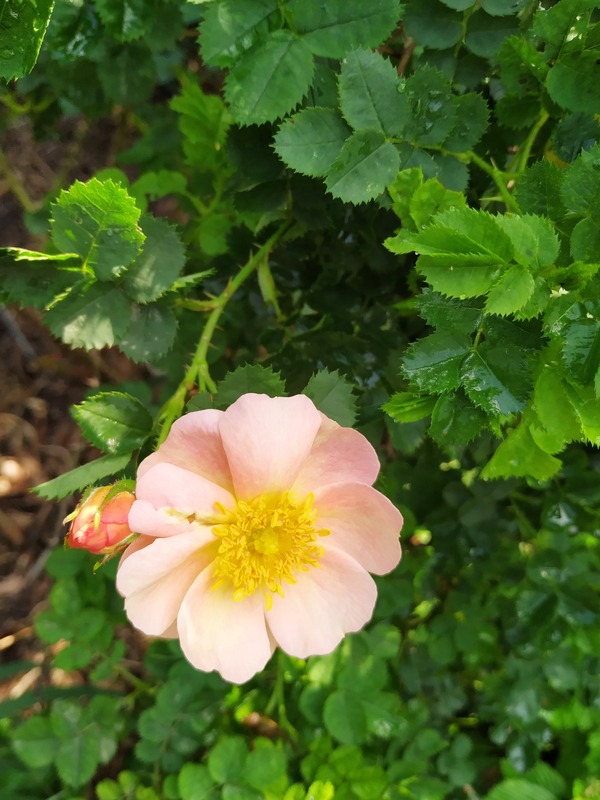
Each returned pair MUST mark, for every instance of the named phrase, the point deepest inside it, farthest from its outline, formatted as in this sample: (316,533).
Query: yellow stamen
(264,542)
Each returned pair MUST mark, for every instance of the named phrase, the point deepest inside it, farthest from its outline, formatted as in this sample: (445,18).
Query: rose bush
(259,527)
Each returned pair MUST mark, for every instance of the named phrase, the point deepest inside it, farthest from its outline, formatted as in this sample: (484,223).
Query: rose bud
(100,524)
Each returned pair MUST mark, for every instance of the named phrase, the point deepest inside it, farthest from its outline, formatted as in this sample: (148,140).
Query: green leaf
(573,82)
(265,765)
(154,185)
(249,378)
(502,8)
(585,241)
(510,292)
(534,239)
(364,167)
(543,774)
(434,363)
(151,332)
(497,378)
(451,172)
(519,456)
(125,20)
(455,421)
(309,142)
(333,396)
(22,30)
(320,790)
(471,122)
(231,27)
(226,761)
(432,24)
(194,782)
(79,478)
(369,97)
(402,189)
(159,262)
(433,110)
(114,422)
(459,5)
(34,742)
(430,199)
(99,222)
(455,316)
(463,251)
(344,717)
(409,407)
(90,316)
(485,34)
(270,81)
(566,20)
(586,404)
(33,279)
(580,191)
(331,30)
(558,423)
(581,349)
(78,758)
(213,233)
(574,133)
(518,789)
(538,190)
(204,122)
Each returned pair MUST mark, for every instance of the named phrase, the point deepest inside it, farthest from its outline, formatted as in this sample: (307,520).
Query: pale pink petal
(218,632)
(167,486)
(363,523)
(266,440)
(138,544)
(328,601)
(194,443)
(338,455)
(152,522)
(154,579)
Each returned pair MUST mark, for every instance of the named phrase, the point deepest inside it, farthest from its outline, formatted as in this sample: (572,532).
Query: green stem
(522,156)
(137,683)
(277,699)
(499,179)
(196,305)
(198,371)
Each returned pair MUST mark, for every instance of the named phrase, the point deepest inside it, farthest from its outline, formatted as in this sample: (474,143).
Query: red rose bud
(100,522)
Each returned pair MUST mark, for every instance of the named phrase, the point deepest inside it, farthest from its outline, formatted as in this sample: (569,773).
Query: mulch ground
(39,380)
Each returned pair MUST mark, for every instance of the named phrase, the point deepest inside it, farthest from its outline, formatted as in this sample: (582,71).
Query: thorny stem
(198,372)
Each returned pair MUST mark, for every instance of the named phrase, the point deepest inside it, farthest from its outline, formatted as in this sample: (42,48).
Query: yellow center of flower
(264,542)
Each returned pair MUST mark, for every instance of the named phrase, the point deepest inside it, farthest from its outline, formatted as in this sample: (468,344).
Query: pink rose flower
(99,524)
(259,529)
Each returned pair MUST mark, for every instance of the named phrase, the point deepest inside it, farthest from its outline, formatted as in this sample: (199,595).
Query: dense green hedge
(396,209)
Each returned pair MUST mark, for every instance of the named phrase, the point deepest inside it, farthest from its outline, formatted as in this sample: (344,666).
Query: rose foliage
(324,237)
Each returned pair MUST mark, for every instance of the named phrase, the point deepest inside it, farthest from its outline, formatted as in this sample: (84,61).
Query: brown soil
(40,378)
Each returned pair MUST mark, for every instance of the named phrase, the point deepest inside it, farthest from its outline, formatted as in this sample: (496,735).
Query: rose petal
(266,440)
(155,578)
(326,602)
(218,632)
(194,443)
(138,544)
(152,522)
(363,523)
(168,486)
(338,455)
